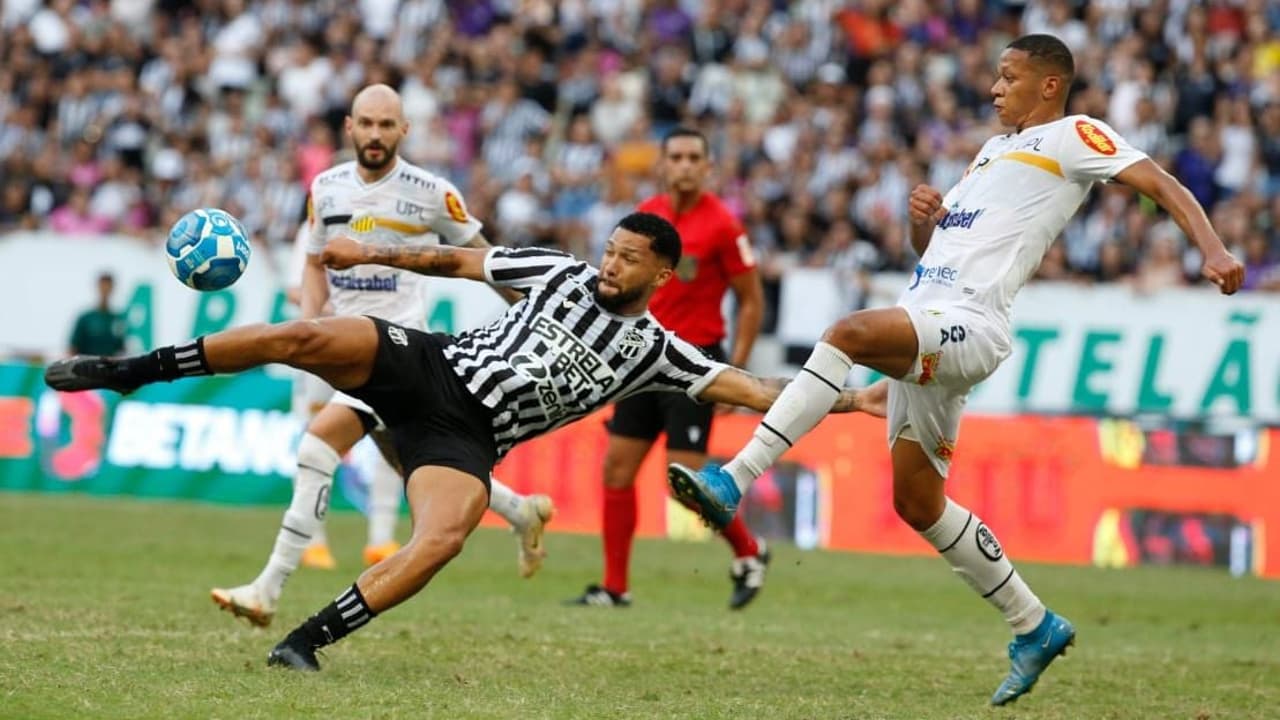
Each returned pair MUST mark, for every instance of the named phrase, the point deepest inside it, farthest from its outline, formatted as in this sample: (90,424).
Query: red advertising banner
(1055,489)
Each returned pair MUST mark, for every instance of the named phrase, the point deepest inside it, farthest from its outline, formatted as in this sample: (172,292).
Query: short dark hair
(1047,50)
(664,240)
(680,131)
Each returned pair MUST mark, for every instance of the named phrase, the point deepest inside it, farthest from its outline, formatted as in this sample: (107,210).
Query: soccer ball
(208,249)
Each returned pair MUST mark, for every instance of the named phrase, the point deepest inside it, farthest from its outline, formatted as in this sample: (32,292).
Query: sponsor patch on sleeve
(453,206)
(1095,138)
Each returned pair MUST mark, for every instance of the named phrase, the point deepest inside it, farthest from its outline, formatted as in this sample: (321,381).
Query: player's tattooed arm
(343,252)
(511,295)
(736,387)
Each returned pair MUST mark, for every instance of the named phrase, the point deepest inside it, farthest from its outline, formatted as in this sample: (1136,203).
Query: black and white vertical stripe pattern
(353,609)
(558,356)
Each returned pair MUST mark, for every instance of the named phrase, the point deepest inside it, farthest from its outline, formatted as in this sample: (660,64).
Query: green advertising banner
(224,439)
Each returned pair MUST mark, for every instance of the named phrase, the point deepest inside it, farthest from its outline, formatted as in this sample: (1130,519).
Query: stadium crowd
(120,114)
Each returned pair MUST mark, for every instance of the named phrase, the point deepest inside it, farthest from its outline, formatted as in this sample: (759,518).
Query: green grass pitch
(105,613)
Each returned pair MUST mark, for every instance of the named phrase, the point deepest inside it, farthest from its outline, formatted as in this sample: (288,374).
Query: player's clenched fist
(925,205)
(341,253)
(1223,270)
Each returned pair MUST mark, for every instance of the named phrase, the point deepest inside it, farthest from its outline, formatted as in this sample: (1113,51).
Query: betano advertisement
(1070,490)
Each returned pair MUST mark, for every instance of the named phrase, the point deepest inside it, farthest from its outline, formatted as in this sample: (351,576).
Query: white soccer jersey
(1004,214)
(408,206)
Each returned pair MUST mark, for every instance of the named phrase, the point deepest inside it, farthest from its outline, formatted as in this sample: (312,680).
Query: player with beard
(581,339)
(382,201)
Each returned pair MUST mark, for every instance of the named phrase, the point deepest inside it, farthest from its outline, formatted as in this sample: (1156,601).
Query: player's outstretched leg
(974,553)
(447,504)
(339,349)
(883,339)
(528,516)
(330,435)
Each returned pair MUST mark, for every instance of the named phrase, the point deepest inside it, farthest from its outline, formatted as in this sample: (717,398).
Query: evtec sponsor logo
(960,218)
(934,275)
(199,438)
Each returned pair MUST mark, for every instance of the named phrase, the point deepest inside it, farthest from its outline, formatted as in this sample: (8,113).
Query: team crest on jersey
(946,448)
(1095,138)
(362,223)
(929,367)
(453,206)
(632,343)
(687,268)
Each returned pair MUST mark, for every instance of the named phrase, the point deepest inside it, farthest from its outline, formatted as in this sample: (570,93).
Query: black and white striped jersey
(556,356)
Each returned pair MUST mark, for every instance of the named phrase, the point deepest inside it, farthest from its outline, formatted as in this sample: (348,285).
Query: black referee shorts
(432,417)
(687,422)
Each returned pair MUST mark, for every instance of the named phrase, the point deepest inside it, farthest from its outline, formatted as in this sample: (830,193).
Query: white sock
(976,555)
(385,490)
(506,502)
(800,407)
(305,516)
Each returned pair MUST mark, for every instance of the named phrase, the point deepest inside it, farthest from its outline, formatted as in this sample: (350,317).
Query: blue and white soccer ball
(208,249)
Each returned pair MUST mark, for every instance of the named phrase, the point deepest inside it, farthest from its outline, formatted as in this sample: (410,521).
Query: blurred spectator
(76,216)
(822,114)
(99,330)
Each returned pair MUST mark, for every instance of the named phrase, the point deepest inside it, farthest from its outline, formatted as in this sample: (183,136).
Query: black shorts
(687,422)
(432,417)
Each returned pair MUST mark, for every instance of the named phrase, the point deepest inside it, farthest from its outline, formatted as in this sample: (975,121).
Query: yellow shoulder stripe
(366,223)
(1040,161)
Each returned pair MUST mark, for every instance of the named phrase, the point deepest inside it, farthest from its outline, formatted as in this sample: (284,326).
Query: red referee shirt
(714,249)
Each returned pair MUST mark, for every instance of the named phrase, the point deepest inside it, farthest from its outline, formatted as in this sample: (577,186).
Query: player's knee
(434,548)
(619,472)
(917,511)
(851,335)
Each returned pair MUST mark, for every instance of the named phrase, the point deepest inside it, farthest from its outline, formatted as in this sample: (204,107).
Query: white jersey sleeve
(451,221)
(525,268)
(1091,151)
(317,233)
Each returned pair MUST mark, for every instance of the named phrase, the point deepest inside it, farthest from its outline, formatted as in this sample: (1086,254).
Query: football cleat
(538,511)
(88,372)
(597,596)
(318,556)
(1030,654)
(747,574)
(247,602)
(295,653)
(711,492)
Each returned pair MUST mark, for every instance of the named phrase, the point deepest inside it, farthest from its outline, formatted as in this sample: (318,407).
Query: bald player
(377,199)
(979,244)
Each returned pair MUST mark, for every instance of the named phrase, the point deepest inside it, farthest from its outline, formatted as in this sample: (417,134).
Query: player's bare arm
(748,292)
(1219,266)
(738,387)
(925,209)
(342,252)
(511,295)
(314,292)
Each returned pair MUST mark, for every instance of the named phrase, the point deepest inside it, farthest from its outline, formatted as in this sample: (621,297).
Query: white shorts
(959,348)
(310,394)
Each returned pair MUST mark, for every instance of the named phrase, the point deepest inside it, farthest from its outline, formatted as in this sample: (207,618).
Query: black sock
(337,620)
(167,363)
